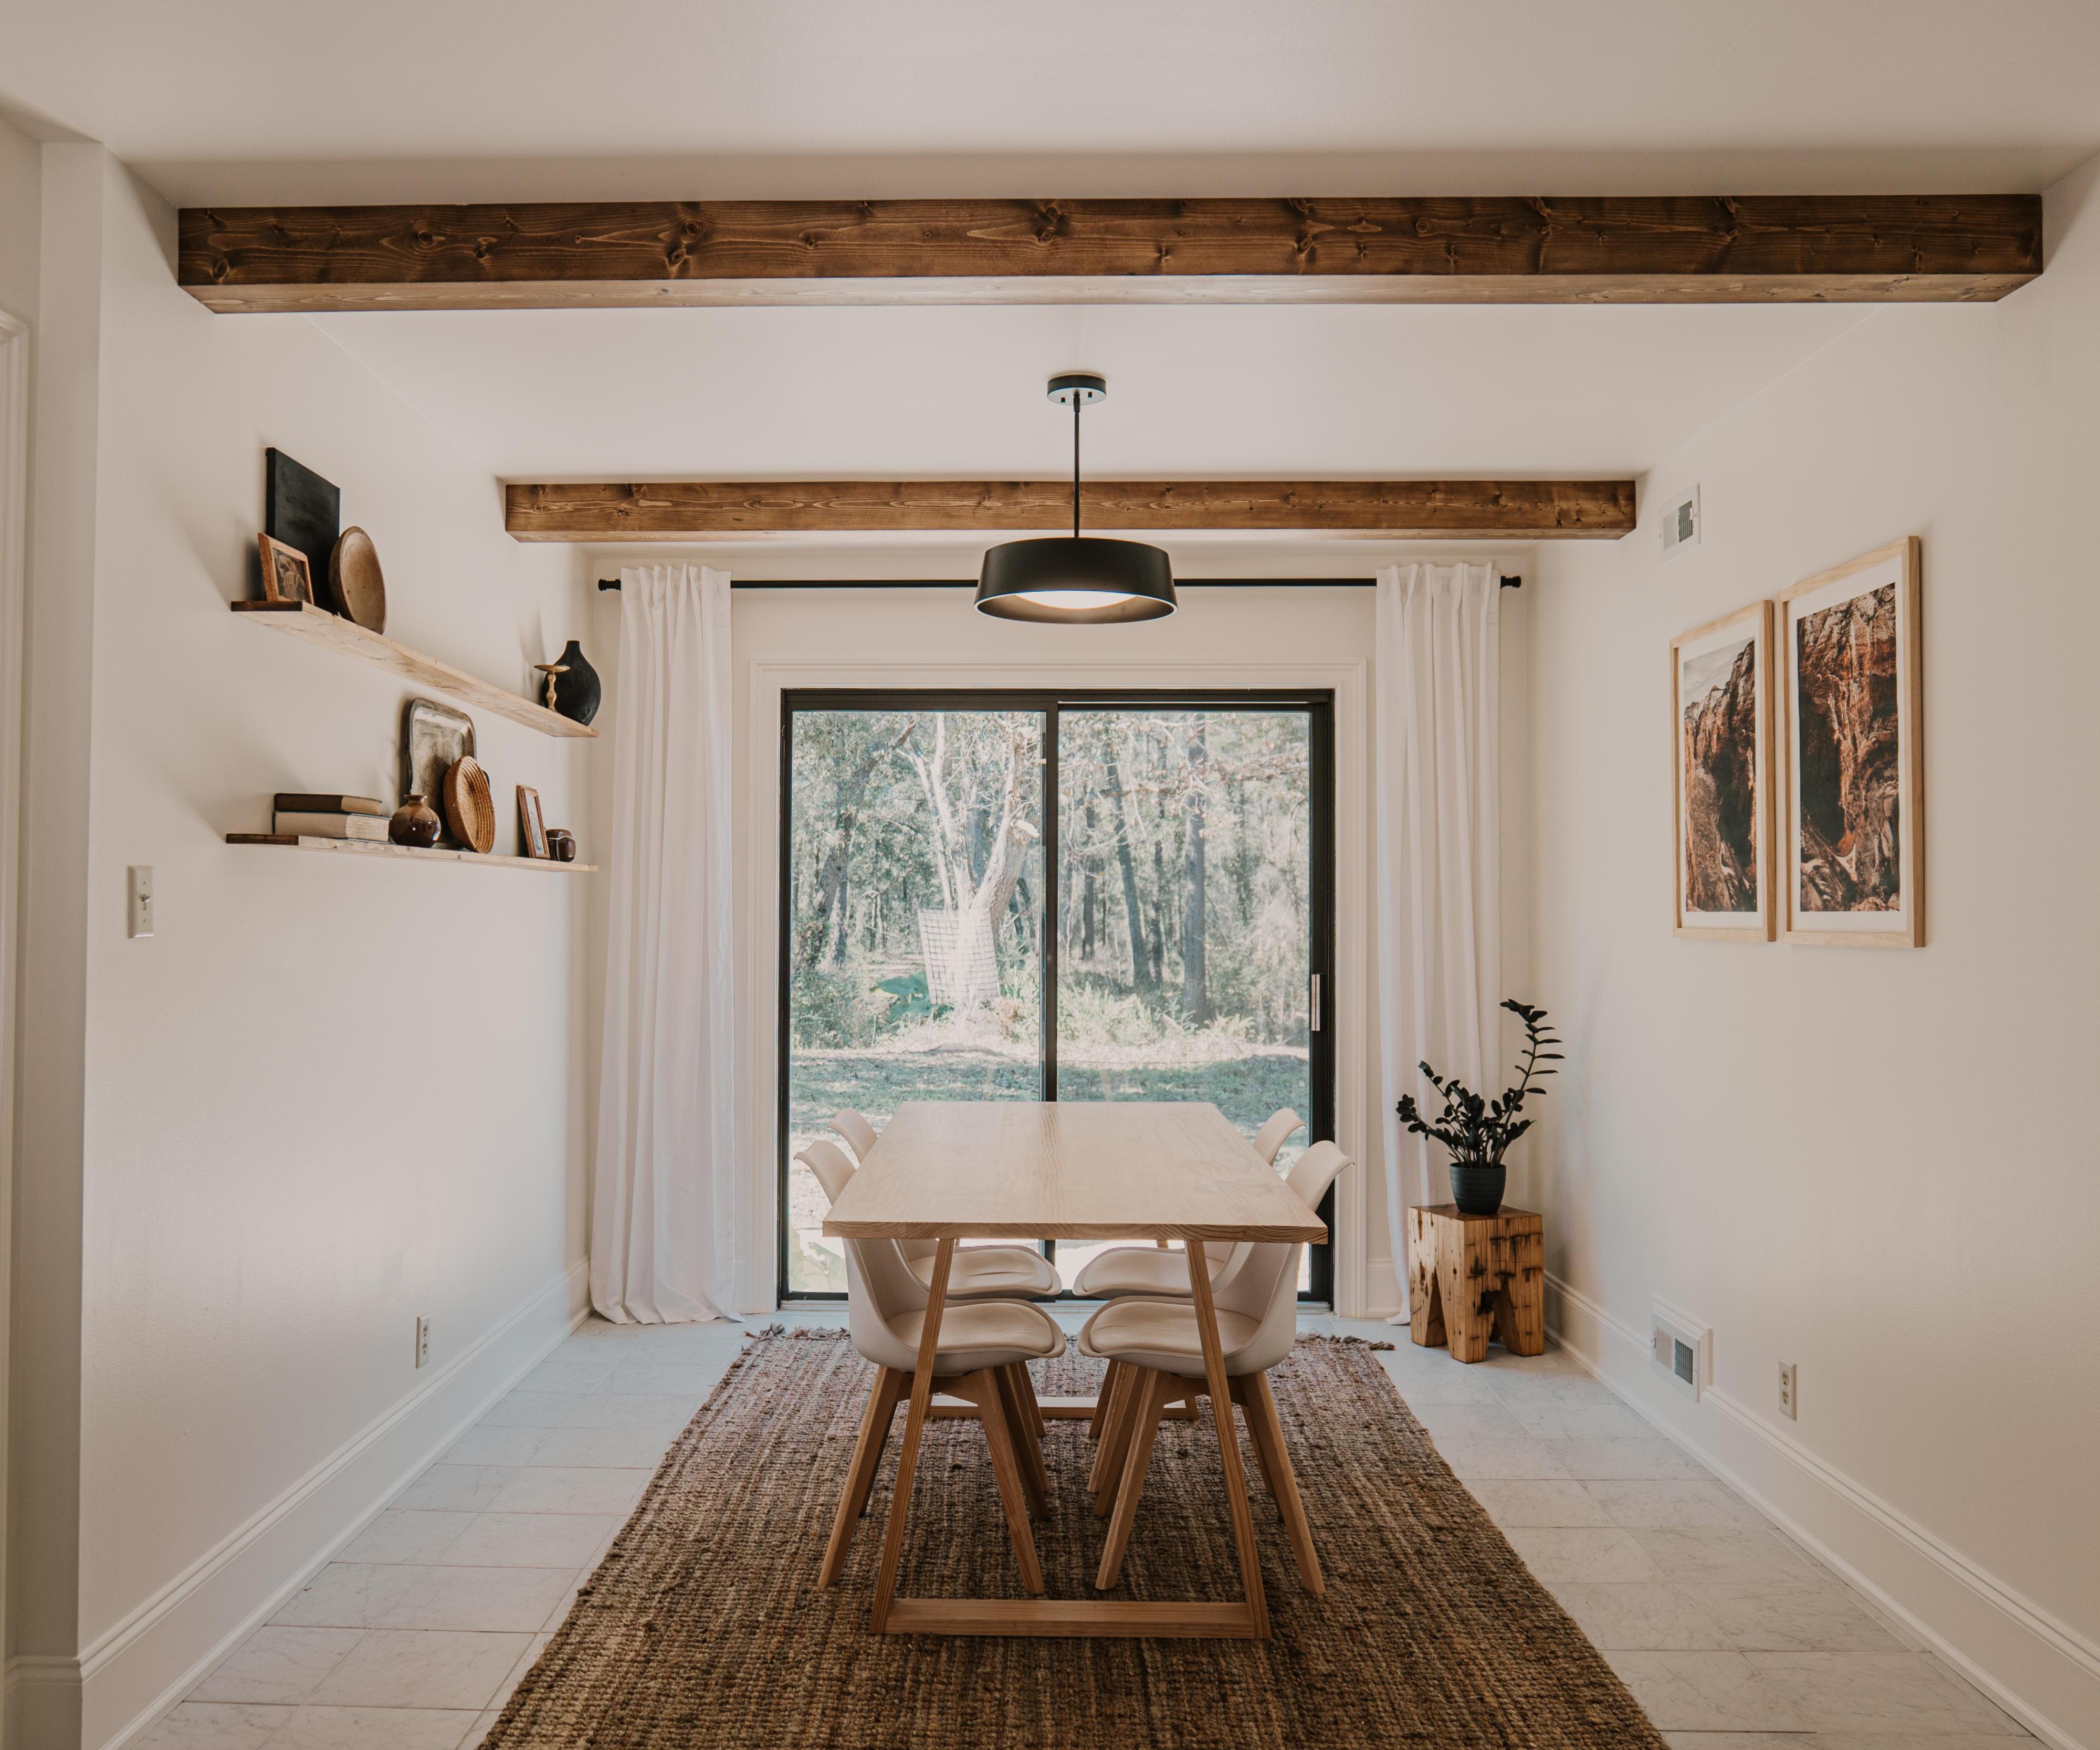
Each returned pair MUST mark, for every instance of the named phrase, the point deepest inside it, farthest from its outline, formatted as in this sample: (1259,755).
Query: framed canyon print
(1851,843)
(1720,683)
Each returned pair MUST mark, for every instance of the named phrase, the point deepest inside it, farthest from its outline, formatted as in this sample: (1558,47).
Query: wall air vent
(1683,1348)
(1680,524)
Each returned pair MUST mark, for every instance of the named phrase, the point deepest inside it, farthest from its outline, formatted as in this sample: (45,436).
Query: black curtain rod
(971,583)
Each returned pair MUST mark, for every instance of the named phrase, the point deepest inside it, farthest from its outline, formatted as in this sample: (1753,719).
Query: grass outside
(1247,1086)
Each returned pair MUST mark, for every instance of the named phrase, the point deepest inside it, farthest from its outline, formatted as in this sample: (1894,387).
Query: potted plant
(1478,1132)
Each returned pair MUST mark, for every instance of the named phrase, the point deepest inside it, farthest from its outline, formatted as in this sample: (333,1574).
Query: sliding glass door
(1050,896)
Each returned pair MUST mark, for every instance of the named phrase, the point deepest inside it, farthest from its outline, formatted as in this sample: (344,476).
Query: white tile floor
(1732,1637)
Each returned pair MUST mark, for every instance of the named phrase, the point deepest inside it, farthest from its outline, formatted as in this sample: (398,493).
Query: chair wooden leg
(1147,1402)
(982,1389)
(1266,1428)
(1026,1381)
(1260,1448)
(1028,1448)
(1099,1420)
(875,1422)
(1115,1434)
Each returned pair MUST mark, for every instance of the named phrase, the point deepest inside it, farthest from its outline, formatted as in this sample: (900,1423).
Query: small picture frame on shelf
(532,829)
(286,575)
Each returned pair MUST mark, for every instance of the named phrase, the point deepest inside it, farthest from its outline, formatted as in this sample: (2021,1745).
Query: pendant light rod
(1076,401)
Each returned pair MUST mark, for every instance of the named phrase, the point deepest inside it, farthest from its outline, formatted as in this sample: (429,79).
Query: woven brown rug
(704,1630)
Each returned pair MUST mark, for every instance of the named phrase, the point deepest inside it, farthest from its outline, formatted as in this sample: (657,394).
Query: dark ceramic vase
(578,693)
(1476,1190)
(415,823)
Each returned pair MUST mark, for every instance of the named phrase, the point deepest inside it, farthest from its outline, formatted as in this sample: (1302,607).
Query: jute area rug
(704,1629)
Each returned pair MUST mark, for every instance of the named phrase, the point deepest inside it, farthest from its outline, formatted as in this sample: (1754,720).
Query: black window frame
(1319,705)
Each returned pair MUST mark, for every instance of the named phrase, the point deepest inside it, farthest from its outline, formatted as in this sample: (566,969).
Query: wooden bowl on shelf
(468,805)
(360,586)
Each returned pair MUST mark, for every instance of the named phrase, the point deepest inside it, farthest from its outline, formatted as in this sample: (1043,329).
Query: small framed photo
(286,575)
(1851,856)
(532,829)
(1720,681)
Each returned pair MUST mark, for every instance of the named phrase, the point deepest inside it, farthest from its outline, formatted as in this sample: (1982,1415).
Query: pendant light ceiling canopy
(1076,580)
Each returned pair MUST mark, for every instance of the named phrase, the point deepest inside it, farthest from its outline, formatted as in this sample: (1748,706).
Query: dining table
(951,1170)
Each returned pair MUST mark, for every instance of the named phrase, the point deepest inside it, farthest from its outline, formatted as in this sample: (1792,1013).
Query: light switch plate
(138,914)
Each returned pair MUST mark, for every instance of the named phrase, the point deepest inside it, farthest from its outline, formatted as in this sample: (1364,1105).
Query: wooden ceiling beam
(727,510)
(1757,249)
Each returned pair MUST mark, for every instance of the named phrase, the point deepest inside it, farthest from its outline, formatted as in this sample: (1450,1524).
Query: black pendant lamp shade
(1076,580)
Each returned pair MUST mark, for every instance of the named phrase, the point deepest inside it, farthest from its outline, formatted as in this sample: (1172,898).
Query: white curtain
(668,1188)
(1438,853)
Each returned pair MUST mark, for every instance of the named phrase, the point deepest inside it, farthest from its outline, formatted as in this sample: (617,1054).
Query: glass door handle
(1315,1019)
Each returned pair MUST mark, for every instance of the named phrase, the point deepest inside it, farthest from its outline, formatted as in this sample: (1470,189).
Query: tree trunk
(1141,964)
(839,907)
(1195,996)
(831,874)
(1086,894)
(1159,914)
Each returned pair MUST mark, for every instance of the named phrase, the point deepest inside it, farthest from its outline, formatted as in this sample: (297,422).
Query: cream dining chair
(1157,1271)
(977,1270)
(985,1349)
(1156,1354)
(1152,1269)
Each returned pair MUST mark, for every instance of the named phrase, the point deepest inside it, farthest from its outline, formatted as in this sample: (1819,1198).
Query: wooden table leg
(914,1425)
(1228,1442)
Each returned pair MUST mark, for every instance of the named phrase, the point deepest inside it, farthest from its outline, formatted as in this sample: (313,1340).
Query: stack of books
(304,817)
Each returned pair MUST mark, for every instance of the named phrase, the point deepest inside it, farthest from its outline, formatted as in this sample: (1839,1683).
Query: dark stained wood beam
(717,510)
(1759,249)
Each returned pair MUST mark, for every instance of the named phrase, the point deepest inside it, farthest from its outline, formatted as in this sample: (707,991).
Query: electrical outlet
(138,916)
(422,1339)
(1789,1392)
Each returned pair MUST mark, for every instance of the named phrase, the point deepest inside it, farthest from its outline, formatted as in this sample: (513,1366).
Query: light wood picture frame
(1721,714)
(1851,727)
(286,575)
(532,829)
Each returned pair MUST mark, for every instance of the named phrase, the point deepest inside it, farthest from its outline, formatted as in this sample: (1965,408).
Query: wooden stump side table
(1473,1277)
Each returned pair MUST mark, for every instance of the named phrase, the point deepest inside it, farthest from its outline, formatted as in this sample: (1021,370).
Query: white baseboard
(2037,1668)
(131,1675)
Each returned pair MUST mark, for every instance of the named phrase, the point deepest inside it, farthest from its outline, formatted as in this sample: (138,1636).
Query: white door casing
(1347,1000)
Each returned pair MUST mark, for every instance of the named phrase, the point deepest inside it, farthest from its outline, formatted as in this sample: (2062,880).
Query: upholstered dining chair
(1154,1270)
(977,1270)
(985,1349)
(1157,1355)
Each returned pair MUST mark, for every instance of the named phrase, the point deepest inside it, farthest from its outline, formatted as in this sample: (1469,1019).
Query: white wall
(1220,638)
(329,1094)
(1878,1163)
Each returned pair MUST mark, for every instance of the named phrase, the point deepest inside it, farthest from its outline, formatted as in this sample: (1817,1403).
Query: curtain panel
(1438,853)
(669,1178)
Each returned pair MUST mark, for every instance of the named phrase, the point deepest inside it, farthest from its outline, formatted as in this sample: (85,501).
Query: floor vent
(1683,1348)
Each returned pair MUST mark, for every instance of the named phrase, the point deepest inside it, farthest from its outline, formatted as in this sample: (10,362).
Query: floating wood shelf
(333,632)
(365,847)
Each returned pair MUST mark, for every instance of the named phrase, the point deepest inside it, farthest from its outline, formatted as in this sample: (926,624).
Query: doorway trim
(14,562)
(1356,1128)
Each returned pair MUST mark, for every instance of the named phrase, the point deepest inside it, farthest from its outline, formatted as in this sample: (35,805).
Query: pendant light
(1076,580)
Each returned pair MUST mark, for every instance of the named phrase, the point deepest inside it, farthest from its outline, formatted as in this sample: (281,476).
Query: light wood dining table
(950,1170)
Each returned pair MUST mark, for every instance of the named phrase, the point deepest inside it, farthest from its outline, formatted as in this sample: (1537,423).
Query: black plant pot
(1477,1191)
(578,693)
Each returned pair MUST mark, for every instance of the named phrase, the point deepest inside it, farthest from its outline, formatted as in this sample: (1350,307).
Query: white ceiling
(257,100)
(234,101)
(1286,390)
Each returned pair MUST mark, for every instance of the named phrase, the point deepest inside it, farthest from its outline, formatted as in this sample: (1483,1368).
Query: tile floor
(1732,1637)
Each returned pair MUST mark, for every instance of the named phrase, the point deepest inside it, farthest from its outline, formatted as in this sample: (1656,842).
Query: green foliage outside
(1183,895)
